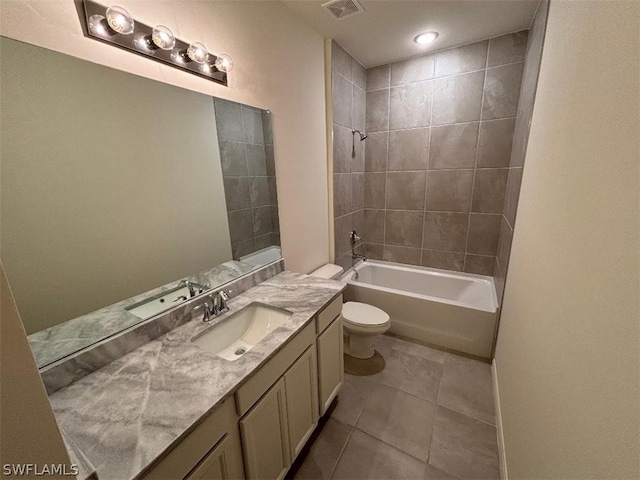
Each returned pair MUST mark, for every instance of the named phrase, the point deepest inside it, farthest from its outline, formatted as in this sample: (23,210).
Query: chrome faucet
(220,302)
(194,287)
(218,305)
(357,255)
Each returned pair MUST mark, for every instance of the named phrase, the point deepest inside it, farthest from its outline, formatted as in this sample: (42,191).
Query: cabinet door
(301,386)
(265,436)
(330,363)
(224,462)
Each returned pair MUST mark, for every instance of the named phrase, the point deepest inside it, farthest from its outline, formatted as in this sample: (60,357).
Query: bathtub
(263,256)
(451,310)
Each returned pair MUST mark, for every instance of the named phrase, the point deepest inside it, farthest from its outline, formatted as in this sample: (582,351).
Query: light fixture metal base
(139,42)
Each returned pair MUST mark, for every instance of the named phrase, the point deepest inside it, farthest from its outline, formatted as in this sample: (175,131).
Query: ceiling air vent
(341,9)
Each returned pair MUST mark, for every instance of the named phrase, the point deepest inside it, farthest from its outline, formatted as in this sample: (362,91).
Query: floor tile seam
(443,470)
(466,415)
(390,445)
(344,447)
(405,391)
(418,356)
(435,404)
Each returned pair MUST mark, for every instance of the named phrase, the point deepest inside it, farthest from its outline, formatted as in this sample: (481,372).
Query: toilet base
(364,367)
(358,346)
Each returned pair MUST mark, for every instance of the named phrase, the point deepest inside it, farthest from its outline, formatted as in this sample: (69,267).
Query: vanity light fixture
(119,20)
(197,52)
(224,63)
(425,38)
(114,25)
(163,38)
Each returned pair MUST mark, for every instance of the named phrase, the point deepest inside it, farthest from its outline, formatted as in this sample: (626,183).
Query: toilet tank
(328,271)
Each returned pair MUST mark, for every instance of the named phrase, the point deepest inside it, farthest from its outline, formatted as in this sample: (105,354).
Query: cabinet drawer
(188,453)
(224,462)
(249,393)
(331,311)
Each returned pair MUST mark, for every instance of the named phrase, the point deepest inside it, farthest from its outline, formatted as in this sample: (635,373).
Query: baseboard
(496,398)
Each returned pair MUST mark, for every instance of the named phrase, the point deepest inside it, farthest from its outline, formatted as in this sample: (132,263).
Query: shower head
(362,134)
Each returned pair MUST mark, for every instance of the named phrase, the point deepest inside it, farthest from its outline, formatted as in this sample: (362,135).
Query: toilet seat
(364,316)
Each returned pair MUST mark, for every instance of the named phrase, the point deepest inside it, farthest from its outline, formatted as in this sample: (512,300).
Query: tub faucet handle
(354,239)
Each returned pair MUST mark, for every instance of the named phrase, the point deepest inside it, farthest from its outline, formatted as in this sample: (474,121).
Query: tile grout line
(386,170)
(435,77)
(344,447)
(488,120)
(473,184)
(426,179)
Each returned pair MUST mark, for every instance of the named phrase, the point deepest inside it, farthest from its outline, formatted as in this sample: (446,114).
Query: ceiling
(384,32)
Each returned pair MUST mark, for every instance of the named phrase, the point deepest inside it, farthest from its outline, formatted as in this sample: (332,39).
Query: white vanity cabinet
(330,353)
(280,422)
(261,429)
(212,451)
(265,437)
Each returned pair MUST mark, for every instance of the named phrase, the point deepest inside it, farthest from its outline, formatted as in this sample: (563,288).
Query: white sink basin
(239,333)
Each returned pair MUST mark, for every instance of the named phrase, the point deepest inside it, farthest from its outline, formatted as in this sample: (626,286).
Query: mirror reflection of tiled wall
(248,169)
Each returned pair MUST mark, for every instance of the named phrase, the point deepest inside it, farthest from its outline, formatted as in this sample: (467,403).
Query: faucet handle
(225,294)
(207,311)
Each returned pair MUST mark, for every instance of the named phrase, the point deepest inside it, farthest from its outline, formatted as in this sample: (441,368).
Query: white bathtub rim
(347,277)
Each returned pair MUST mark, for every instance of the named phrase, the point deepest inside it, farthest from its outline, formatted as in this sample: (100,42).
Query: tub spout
(356,255)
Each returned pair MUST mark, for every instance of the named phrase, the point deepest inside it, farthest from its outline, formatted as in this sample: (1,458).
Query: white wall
(568,348)
(32,436)
(278,65)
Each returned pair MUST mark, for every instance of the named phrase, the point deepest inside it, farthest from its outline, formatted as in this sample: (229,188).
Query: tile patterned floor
(427,415)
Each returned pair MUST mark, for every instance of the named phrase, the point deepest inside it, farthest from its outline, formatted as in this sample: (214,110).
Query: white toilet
(361,321)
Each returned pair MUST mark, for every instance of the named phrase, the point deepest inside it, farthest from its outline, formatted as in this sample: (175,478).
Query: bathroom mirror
(114,185)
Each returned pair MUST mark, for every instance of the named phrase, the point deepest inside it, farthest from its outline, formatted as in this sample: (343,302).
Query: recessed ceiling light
(425,38)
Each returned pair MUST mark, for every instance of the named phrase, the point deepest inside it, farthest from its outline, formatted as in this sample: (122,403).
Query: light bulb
(120,20)
(197,52)
(223,63)
(98,25)
(426,37)
(163,38)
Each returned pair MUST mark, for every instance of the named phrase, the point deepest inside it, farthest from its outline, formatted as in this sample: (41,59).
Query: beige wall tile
(453,146)
(443,260)
(494,145)
(376,148)
(409,149)
(403,228)
(415,69)
(410,105)
(377,116)
(489,189)
(502,91)
(449,190)
(445,231)
(467,58)
(378,77)
(458,99)
(406,190)
(484,230)
(508,48)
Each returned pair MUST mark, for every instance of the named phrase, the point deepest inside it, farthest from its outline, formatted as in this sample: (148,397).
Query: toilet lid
(363,314)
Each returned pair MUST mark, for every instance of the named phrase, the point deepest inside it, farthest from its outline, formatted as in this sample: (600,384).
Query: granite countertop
(128,414)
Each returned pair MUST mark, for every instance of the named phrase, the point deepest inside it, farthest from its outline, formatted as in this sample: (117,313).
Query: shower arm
(363,135)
